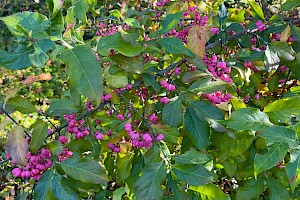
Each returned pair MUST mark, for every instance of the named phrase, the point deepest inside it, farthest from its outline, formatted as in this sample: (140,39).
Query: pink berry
(127,127)
(164,83)
(160,137)
(117,149)
(16,172)
(120,117)
(111,145)
(164,100)
(63,139)
(221,65)
(128,87)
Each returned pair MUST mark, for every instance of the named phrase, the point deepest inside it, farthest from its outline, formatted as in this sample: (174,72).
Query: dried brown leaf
(285,34)
(44,77)
(196,40)
(29,80)
(17,146)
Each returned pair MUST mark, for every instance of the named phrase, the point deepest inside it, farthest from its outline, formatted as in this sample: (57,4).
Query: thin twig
(284,85)
(13,120)
(5,161)
(150,129)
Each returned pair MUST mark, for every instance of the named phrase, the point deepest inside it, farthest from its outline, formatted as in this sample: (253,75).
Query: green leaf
(170,22)
(80,9)
(247,55)
(192,174)
(178,193)
(62,107)
(194,157)
(210,192)
(32,23)
(197,62)
(39,134)
(17,59)
(132,65)
(80,145)
(85,170)
(281,134)
(171,134)
(283,50)
(251,190)
(232,146)
(273,83)
(256,10)
(295,32)
(84,71)
(175,46)
(130,36)
(150,81)
(206,86)
(132,22)
(293,169)
(277,190)
(57,26)
(222,14)
(39,56)
(17,146)
(271,59)
(230,168)
(43,189)
(289,5)
(197,130)
(57,5)
(20,104)
(55,147)
(205,110)
(116,43)
(172,113)
(153,155)
(191,76)
(62,191)
(237,103)
(118,193)
(117,80)
(280,111)
(247,119)
(124,165)
(116,13)
(275,154)
(148,185)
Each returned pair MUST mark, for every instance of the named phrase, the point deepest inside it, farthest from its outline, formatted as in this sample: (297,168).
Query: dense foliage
(150,100)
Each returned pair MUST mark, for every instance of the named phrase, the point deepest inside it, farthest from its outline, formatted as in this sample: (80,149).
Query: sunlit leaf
(39,134)
(210,191)
(148,185)
(247,119)
(266,161)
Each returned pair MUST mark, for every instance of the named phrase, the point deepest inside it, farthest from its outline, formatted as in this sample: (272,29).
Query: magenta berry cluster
(218,69)
(170,87)
(76,127)
(217,97)
(37,165)
(142,139)
(260,26)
